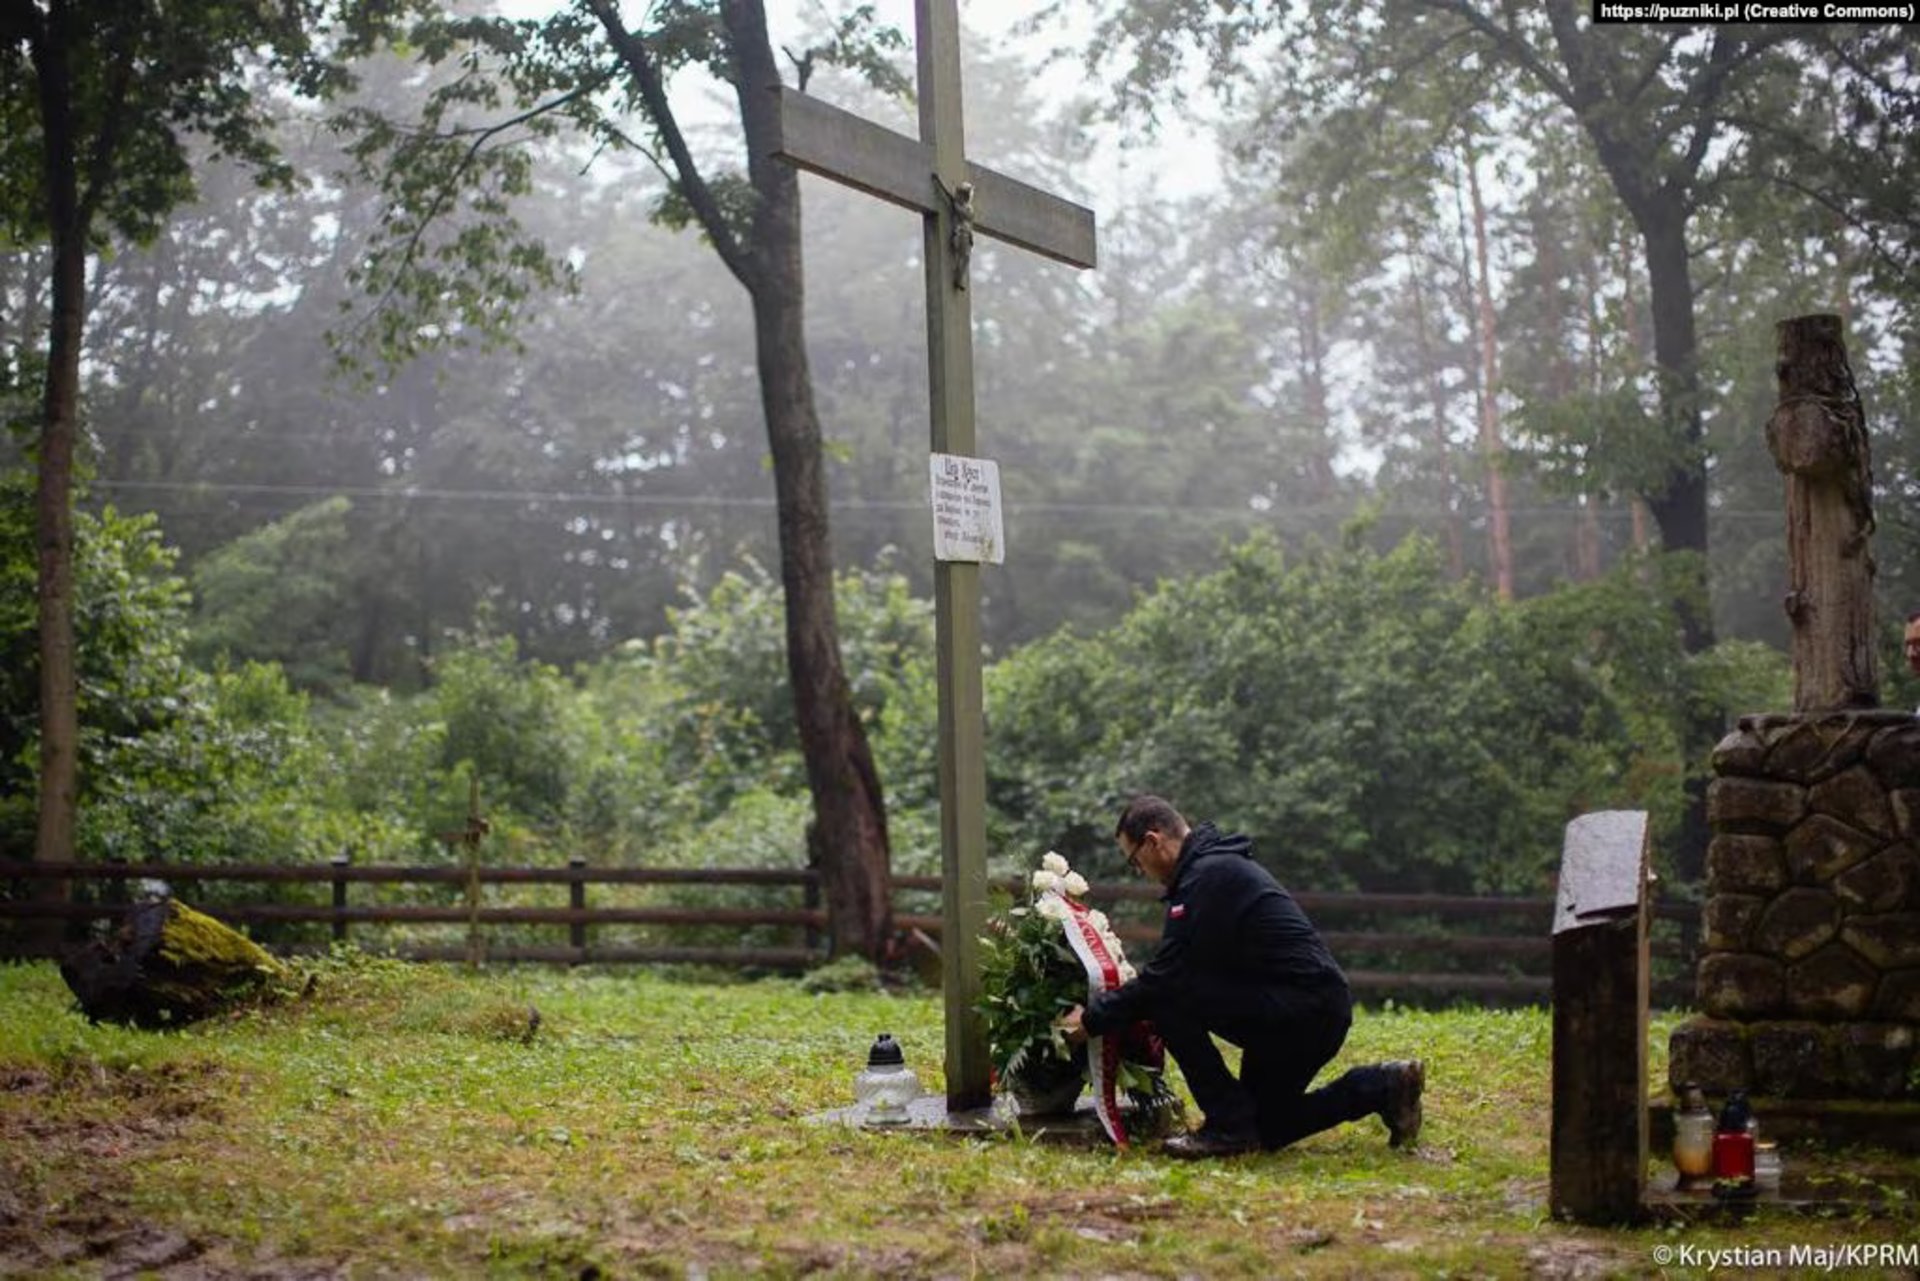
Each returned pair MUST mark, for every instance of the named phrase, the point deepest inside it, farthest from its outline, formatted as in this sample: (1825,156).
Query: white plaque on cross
(967,524)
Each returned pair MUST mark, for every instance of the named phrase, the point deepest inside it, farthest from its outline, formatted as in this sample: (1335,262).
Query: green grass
(401,1121)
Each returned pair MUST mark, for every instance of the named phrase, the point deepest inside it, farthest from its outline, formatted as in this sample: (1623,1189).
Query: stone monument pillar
(1809,983)
(1810,978)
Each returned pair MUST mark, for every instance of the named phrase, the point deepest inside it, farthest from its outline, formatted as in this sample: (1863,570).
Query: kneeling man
(1239,959)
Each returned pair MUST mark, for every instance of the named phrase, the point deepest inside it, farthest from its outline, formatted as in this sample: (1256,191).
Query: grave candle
(1733,1141)
(1693,1127)
(882,1092)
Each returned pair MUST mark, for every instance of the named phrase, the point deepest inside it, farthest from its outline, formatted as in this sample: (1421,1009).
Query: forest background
(1321,501)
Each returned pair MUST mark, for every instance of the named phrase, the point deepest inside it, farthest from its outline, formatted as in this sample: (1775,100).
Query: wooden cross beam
(850,149)
(955,199)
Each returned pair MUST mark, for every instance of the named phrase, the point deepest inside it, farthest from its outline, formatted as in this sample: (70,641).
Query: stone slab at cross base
(929,1115)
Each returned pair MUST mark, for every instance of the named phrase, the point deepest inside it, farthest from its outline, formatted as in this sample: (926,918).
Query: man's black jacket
(1227,922)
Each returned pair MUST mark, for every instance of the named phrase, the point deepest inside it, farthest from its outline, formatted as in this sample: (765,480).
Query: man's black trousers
(1286,1035)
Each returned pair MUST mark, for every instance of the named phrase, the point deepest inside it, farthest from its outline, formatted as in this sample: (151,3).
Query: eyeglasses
(1133,855)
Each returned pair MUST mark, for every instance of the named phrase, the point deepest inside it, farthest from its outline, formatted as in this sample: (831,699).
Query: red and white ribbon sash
(1103,1052)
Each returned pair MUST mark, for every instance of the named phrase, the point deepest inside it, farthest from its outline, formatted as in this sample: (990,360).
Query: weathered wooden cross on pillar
(1818,438)
(955,200)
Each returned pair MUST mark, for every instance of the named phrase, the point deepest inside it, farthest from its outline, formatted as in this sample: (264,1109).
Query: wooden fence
(1404,946)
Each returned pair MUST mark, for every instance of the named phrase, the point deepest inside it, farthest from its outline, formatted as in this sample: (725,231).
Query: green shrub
(1370,722)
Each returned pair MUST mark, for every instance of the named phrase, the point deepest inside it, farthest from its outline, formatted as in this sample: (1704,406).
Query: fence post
(1599,1141)
(470,838)
(577,900)
(810,888)
(340,863)
(115,894)
(810,899)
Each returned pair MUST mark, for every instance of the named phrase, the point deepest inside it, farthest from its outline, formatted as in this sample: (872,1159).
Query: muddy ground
(66,1146)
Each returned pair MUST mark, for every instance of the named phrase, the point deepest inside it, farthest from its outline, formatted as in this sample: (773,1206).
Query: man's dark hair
(1914,616)
(1145,814)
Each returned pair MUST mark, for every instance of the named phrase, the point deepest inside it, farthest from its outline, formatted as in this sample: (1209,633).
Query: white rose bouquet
(1041,959)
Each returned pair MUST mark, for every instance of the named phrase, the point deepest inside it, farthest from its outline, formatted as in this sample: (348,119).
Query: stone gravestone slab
(1598,1151)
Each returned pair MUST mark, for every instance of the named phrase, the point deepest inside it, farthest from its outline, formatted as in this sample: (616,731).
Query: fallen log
(167,965)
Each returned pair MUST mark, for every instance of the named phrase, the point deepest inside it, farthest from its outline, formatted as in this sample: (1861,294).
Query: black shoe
(1402,1112)
(1205,1143)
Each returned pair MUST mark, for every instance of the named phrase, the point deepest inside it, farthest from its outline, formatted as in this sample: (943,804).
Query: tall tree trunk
(1563,381)
(1313,381)
(24,278)
(1443,447)
(1680,509)
(1586,540)
(849,812)
(1590,268)
(1634,315)
(1492,446)
(849,835)
(1654,180)
(1655,186)
(59,431)
(1640,344)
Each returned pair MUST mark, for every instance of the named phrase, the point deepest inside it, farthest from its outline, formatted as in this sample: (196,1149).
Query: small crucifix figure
(960,207)
(955,200)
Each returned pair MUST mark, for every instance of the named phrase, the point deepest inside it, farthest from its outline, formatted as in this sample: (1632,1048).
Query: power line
(409,492)
(765,502)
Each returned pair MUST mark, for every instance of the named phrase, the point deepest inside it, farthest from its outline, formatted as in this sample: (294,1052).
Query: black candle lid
(885,1052)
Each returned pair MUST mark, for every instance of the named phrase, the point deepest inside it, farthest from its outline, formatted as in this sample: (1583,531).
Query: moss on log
(168,965)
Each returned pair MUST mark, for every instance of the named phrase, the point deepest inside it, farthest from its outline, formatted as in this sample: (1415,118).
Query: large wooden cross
(931,175)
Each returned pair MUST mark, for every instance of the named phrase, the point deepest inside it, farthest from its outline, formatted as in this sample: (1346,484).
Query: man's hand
(1072,1027)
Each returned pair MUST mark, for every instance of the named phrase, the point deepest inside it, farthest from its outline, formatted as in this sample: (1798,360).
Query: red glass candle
(1733,1155)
